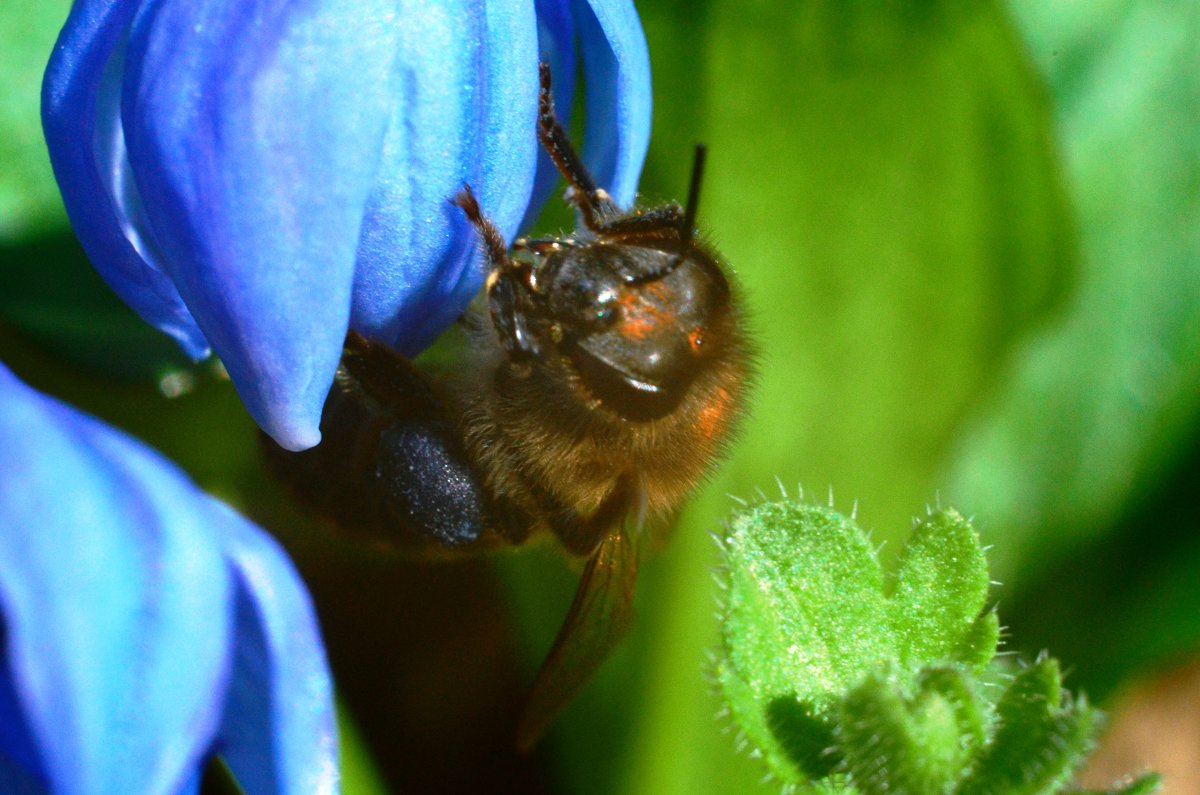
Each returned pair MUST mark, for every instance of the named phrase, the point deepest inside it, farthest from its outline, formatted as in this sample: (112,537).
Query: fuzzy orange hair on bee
(606,377)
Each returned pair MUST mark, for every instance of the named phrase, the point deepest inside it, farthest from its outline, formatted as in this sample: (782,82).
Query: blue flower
(260,175)
(143,625)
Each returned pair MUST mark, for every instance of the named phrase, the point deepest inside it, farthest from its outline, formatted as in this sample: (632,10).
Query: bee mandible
(606,375)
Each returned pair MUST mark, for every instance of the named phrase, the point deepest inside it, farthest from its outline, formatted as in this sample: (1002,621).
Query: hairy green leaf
(1143,785)
(803,620)
(920,744)
(1041,737)
(941,585)
(978,644)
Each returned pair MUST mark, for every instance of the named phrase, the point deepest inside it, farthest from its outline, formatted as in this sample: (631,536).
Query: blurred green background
(968,235)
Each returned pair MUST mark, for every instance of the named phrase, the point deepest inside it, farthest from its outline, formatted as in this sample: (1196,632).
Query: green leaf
(836,687)
(876,736)
(918,745)
(1040,739)
(359,773)
(941,585)
(978,644)
(803,620)
(1143,785)
(949,689)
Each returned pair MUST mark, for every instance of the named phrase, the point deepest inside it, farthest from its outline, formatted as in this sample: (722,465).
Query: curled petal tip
(288,402)
(295,437)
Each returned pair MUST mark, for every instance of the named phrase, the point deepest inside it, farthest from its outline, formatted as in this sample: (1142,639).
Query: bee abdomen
(390,465)
(422,475)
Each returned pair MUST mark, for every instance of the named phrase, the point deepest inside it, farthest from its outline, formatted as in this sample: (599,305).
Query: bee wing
(600,615)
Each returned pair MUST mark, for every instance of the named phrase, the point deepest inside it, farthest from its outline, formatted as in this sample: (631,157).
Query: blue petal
(254,131)
(87,150)
(17,779)
(114,601)
(616,67)
(20,762)
(556,46)
(279,733)
(192,786)
(464,112)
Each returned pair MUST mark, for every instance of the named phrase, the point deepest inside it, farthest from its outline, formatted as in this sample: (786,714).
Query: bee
(606,376)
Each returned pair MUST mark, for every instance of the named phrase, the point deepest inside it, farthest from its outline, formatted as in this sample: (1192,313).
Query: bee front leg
(507,285)
(508,301)
(593,202)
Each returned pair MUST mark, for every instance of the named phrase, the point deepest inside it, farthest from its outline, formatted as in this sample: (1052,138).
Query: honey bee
(606,375)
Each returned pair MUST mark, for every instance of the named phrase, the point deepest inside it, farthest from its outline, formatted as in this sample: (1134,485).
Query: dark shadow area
(217,780)
(423,659)
(1130,602)
(805,737)
(50,293)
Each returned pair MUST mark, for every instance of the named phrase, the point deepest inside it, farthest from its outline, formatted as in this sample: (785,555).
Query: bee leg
(494,247)
(542,246)
(510,520)
(508,301)
(594,203)
(507,284)
(580,534)
(669,222)
(663,221)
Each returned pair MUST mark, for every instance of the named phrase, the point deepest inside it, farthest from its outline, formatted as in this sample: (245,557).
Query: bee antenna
(687,227)
(687,224)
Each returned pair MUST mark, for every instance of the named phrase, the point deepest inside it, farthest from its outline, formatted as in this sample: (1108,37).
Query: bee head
(637,322)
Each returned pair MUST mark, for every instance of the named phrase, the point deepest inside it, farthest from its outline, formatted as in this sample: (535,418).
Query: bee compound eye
(604,311)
